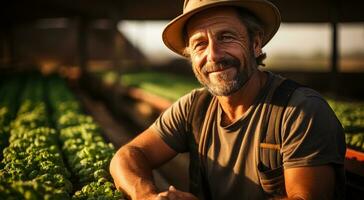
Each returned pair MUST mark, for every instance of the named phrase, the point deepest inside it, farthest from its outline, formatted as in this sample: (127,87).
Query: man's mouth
(220,67)
(223,74)
(220,70)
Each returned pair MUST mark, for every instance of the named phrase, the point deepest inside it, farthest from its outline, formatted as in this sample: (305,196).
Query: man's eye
(226,38)
(199,45)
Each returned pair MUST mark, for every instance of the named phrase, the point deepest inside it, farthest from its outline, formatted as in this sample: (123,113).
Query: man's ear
(257,44)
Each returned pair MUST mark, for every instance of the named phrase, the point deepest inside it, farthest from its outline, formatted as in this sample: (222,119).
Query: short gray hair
(254,27)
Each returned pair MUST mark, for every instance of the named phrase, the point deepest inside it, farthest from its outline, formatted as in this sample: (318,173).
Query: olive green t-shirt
(311,135)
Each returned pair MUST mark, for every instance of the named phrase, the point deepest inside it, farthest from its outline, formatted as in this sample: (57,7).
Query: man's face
(222,56)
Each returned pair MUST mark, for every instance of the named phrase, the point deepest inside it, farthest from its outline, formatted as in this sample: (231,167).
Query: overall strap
(270,160)
(271,137)
(195,119)
(197,114)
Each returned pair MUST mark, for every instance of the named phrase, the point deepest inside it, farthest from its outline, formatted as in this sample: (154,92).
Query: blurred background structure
(111,52)
(324,37)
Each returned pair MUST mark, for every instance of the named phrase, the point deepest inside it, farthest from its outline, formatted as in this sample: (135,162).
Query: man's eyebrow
(196,36)
(233,32)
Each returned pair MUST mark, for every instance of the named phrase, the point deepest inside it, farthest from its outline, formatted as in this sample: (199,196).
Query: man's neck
(235,105)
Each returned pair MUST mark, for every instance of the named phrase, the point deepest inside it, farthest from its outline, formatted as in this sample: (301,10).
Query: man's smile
(220,70)
(223,74)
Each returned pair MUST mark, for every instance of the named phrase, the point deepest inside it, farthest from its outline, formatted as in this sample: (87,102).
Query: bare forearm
(302,197)
(307,183)
(288,198)
(132,173)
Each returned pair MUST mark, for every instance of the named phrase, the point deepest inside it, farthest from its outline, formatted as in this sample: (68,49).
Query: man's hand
(174,194)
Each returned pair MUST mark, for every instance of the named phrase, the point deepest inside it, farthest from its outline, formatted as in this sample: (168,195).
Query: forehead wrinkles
(207,22)
(213,19)
(203,29)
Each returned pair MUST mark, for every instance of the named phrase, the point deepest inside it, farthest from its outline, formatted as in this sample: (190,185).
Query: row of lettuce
(351,116)
(172,86)
(50,148)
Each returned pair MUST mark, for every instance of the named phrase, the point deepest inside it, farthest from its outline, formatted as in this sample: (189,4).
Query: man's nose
(214,53)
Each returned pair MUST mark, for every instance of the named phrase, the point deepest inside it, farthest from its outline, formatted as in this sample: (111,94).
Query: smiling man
(251,134)
(221,72)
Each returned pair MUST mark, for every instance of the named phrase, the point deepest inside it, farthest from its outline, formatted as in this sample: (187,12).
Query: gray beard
(228,87)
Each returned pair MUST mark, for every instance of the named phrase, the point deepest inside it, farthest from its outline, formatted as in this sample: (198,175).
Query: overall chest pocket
(271,172)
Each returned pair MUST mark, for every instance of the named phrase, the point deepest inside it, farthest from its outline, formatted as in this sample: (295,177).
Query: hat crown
(193,4)
(189,5)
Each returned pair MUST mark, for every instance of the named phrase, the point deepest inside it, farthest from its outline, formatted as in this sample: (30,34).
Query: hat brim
(269,15)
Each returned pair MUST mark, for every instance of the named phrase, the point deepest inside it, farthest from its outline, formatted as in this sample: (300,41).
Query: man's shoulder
(190,96)
(184,103)
(301,94)
(302,98)
(197,91)
(306,94)
(308,102)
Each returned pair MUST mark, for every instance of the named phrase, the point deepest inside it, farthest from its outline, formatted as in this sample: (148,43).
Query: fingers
(162,198)
(171,194)
(172,188)
(163,195)
(174,194)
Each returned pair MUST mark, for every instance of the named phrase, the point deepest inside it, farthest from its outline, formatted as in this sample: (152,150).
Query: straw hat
(263,9)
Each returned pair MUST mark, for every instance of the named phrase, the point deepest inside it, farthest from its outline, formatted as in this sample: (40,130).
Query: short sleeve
(171,124)
(312,134)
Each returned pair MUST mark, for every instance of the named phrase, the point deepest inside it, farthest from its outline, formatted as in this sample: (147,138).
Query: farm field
(50,148)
